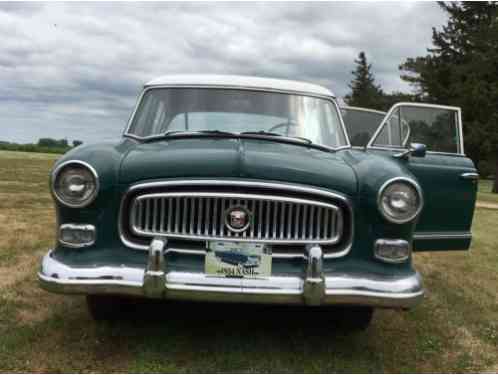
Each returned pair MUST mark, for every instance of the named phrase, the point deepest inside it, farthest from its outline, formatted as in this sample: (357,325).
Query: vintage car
(266,166)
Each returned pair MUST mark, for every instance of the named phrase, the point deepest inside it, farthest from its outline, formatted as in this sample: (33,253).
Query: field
(484,194)
(454,330)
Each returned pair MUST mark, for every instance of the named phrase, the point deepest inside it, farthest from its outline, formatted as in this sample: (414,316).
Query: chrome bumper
(313,289)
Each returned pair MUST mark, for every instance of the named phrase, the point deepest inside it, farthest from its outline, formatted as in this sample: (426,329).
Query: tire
(356,318)
(104,308)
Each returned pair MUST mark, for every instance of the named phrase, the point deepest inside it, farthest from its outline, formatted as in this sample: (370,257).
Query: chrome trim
(314,283)
(243,183)
(408,133)
(227,199)
(458,111)
(442,236)
(53,177)
(391,242)
(469,176)
(406,180)
(126,132)
(393,148)
(155,276)
(355,288)
(361,109)
(84,227)
(460,131)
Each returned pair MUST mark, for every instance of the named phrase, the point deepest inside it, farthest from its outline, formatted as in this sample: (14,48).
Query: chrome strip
(421,105)
(442,236)
(53,177)
(243,183)
(469,176)
(361,109)
(417,188)
(357,288)
(460,128)
(401,149)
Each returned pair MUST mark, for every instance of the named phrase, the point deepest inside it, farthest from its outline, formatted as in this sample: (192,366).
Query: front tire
(356,318)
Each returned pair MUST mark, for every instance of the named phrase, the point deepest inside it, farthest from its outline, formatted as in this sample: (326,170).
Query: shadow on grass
(165,336)
(151,313)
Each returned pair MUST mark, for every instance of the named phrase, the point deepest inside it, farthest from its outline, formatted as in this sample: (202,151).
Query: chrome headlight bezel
(404,180)
(79,164)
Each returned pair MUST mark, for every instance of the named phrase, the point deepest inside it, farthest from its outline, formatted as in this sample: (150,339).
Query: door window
(436,127)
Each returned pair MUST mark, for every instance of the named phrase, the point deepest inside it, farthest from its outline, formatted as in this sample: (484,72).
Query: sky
(74,70)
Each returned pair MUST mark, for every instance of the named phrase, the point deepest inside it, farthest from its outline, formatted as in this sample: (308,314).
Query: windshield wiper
(222,133)
(263,132)
(193,133)
(288,139)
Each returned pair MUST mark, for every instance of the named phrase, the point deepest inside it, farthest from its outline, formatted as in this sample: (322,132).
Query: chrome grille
(201,215)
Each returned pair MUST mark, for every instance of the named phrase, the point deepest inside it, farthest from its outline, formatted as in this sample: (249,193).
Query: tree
(364,91)
(50,142)
(462,69)
(391,99)
(76,143)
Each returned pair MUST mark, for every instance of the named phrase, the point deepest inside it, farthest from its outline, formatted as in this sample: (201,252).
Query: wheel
(103,307)
(356,318)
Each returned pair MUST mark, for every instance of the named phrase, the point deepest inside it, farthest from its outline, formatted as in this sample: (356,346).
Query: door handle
(469,176)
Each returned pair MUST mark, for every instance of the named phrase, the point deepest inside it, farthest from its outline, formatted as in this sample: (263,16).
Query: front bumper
(314,288)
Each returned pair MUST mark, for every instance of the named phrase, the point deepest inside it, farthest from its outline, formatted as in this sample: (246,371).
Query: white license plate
(238,259)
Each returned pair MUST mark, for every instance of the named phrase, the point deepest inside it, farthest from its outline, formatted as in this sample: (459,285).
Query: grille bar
(202,215)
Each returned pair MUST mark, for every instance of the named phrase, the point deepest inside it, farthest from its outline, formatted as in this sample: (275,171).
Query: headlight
(400,200)
(75,183)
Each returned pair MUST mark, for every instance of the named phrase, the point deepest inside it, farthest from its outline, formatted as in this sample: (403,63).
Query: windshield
(164,110)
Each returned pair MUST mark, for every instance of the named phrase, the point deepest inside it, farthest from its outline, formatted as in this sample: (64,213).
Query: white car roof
(240,82)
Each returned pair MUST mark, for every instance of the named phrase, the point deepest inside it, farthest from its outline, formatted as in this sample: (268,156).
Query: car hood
(237,158)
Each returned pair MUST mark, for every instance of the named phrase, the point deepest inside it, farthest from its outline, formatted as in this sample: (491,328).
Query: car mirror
(416,149)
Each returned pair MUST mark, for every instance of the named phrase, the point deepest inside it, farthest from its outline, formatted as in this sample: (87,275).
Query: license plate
(238,259)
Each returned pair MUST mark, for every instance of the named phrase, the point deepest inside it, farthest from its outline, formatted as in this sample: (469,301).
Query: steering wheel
(287,124)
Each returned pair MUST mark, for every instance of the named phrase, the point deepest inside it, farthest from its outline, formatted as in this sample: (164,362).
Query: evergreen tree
(462,69)
(364,91)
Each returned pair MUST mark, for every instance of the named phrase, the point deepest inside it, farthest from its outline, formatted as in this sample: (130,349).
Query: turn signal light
(392,251)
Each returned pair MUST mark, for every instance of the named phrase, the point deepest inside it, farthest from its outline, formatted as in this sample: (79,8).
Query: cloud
(74,69)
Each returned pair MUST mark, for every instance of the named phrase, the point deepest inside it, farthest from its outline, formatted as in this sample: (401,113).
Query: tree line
(459,69)
(45,145)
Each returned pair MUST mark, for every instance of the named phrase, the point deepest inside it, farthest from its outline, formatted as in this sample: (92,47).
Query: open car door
(447,177)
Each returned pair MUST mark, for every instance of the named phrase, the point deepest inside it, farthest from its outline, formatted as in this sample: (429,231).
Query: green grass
(454,330)
(485,192)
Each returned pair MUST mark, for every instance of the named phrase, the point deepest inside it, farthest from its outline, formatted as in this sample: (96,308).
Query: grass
(485,192)
(454,330)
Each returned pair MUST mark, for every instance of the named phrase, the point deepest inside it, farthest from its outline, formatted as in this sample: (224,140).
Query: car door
(447,177)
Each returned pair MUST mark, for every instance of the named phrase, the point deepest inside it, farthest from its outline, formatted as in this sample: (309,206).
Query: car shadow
(239,317)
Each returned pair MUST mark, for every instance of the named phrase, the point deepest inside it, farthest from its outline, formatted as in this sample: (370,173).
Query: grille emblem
(237,219)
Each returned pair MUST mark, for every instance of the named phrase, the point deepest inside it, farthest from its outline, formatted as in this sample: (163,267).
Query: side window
(436,127)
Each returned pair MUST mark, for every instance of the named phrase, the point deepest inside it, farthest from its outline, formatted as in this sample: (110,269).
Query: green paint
(356,174)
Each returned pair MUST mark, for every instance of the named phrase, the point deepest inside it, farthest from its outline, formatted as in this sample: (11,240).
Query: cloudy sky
(73,70)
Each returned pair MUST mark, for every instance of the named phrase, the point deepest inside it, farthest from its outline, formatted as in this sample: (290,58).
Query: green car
(214,168)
